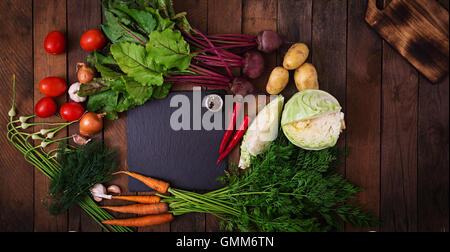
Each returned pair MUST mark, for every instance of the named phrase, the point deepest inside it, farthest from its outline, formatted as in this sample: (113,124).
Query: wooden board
(397,120)
(418,29)
(363,115)
(16,213)
(49,15)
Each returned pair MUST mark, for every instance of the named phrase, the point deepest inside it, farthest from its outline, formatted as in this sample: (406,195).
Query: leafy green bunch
(286,189)
(145,48)
(81,169)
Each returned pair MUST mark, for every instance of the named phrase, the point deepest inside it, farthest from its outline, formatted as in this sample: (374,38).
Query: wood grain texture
(397,120)
(363,106)
(293,29)
(77,24)
(418,29)
(433,154)
(398,206)
(16,57)
(48,15)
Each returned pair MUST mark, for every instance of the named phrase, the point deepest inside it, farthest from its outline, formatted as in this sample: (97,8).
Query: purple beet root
(253,64)
(269,41)
(242,86)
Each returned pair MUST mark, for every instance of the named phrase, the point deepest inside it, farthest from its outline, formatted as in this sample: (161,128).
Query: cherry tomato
(55,43)
(93,40)
(71,111)
(53,86)
(45,107)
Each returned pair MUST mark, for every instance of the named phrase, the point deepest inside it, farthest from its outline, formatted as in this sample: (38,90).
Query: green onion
(39,158)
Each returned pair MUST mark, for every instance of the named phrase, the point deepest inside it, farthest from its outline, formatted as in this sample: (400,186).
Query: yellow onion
(85,73)
(91,123)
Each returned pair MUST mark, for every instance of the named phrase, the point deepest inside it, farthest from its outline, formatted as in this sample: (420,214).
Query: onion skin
(91,123)
(85,74)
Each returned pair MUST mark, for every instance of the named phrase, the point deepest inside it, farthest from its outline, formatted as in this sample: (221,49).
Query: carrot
(158,185)
(139,199)
(141,209)
(145,221)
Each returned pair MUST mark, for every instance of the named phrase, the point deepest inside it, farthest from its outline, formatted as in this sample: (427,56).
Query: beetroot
(253,64)
(242,86)
(269,41)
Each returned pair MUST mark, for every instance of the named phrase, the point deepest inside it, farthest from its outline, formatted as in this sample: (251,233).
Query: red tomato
(45,107)
(55,43)
(53,86)
(93,40)
(71,111)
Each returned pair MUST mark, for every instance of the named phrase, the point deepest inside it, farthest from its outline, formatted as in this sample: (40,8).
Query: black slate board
(185,159)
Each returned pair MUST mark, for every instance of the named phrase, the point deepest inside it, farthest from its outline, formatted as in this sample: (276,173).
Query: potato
(296,56)
(278,80)
(306,77)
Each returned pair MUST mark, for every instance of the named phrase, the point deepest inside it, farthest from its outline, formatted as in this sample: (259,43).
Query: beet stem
(201,85)
(201,70)
(232,36)
(132,34)
(217,52)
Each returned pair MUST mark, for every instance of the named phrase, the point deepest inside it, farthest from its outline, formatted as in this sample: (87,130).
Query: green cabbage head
(312,120)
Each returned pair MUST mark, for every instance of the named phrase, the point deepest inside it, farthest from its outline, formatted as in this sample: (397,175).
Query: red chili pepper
(237,137)
(230,129)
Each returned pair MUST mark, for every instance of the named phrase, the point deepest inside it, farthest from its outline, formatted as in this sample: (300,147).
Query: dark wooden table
(398,122)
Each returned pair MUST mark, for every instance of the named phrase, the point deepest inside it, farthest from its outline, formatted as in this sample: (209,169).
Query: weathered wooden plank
(16,175)
(224,17)
(433,155)
(293,29)
(363,106)
(259,15)
(49,15)
(77,24)
(329,49)
(398,205)
(418,29)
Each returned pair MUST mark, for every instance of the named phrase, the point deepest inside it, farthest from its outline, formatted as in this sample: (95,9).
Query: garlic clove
(99,191)
(80,140)
(97,199)
(73,93)
(114,189)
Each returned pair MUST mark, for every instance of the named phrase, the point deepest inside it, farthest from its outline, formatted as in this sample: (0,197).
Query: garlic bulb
(80,140)
(114,189)
(73,93)
(99,192)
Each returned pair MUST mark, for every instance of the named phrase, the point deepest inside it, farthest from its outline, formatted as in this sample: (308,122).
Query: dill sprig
(81,169)
(286,189)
